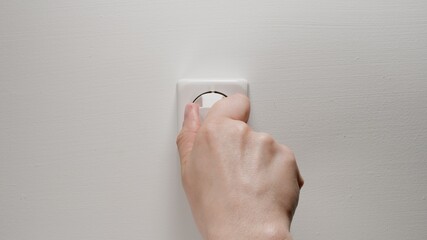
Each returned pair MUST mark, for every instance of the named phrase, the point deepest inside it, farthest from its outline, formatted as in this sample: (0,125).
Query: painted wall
(88,118)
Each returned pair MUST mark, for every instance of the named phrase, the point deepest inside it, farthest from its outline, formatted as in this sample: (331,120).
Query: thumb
(187,135)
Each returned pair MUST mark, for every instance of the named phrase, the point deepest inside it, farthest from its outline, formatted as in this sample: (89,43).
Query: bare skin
(240,184)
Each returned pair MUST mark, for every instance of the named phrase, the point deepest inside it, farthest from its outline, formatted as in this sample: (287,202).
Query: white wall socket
(206,92)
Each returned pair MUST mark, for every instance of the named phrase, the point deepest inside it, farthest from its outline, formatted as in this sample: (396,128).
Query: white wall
(88,119)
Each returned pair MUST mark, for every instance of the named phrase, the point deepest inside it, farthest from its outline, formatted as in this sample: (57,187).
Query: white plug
(205,93)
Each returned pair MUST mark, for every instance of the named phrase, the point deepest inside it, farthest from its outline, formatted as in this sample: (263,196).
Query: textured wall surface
(88,117)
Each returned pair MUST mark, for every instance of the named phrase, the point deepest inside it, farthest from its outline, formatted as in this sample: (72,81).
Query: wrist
(266,232)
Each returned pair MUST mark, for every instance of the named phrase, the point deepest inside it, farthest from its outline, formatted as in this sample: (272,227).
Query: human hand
(240,184)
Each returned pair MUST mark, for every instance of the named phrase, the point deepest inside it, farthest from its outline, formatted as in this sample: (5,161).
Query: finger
(187,135)
(236,107)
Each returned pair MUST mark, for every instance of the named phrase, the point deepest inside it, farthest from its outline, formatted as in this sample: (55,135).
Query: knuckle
(289,154)
(240,127)
(266,139)
(226,125)
(180,138)
(213,131)
(301,182)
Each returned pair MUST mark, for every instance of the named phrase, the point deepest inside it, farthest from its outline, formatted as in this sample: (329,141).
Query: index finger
(236,107)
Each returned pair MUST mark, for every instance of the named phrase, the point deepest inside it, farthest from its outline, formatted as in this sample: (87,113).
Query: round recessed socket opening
(208,99)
